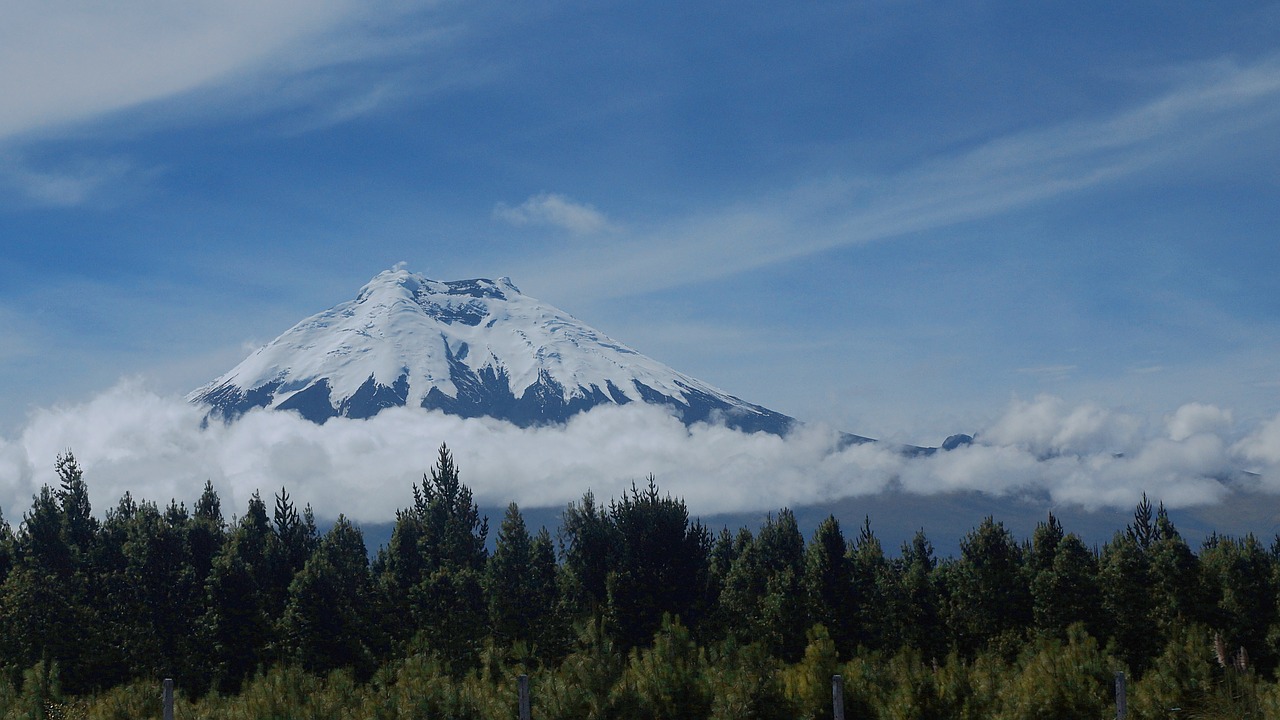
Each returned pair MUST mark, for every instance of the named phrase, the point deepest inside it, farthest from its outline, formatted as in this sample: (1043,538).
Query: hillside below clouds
(473,348)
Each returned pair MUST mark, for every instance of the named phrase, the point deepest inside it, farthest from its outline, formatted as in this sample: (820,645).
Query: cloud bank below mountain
(129,439)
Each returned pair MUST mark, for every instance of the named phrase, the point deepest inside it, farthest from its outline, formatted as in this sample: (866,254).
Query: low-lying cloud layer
(157,448)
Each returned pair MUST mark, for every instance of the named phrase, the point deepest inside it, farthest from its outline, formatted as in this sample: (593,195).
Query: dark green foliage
(1179,596)
(6,549)
(763,586)
(521,586)
(661,565)
(917,601)
(437,628)
(1238,581)
(446,605)
(1125,582)
(828,583)
(874,587)
(589,544)
(79,525)
(430,574)
(1065,591)
(327,624)
(990,601)
(237,624)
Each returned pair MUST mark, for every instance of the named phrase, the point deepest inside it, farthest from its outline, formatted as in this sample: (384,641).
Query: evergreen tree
(589,545)
(79,525)
(1143,528)
(1239,575)
(991,601)
(760,591)
(661,567)
(1178,594)
(434,567)
(724,551)
(1124,578)
(237,624)
(1066,591)
(919,603)
(292,541)
(521,589)
(1044,546)
(453,532)
(48,599)
(159,584)
(6,549)
(828,583)
(327,624)
(872,586)
(511,584)
(550,636)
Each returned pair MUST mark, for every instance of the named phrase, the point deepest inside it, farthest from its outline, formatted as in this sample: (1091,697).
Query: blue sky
(891,217)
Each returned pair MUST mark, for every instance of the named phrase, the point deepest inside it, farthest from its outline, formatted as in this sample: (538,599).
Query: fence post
(168,699)
(1122,702)
(837,697)
(525,713)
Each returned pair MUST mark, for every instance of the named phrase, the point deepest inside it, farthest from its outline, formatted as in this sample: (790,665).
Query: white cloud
(1047,426)
(553,210)
(1262,448)
(131,439)
(1196,418)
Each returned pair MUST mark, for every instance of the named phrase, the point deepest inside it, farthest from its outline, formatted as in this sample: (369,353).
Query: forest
(634,610)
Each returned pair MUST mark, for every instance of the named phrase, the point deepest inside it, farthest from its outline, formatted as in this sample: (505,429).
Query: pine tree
(327,623)
(521,589)
(991,601)
(828,582)
(508,581)
(873,584)
(6,549)
(1124,578)
(760,591)
(1066,591)
(292,541)
(1176,587)
(661,565)
(237,624)
(919,604)
(589,544)
(1239,575)
(79,525)
(437,561)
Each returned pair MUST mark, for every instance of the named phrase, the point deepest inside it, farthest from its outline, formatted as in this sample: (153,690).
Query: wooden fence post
(1122,702)
(168,699)
(525,713)
(837,697)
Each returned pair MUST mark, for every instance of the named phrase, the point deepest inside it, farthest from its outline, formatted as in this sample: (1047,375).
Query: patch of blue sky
(922,198)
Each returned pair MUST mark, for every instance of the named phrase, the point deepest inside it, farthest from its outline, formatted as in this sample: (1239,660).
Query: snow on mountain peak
(471,347)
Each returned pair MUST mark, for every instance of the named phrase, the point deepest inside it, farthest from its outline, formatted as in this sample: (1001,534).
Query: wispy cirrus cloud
(1208,103)
(72,183)
(554,210)
(70,61)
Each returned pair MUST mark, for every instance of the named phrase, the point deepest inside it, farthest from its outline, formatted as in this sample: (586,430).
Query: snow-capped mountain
(467,347)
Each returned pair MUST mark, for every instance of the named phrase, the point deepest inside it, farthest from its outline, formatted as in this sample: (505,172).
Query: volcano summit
(474,348)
